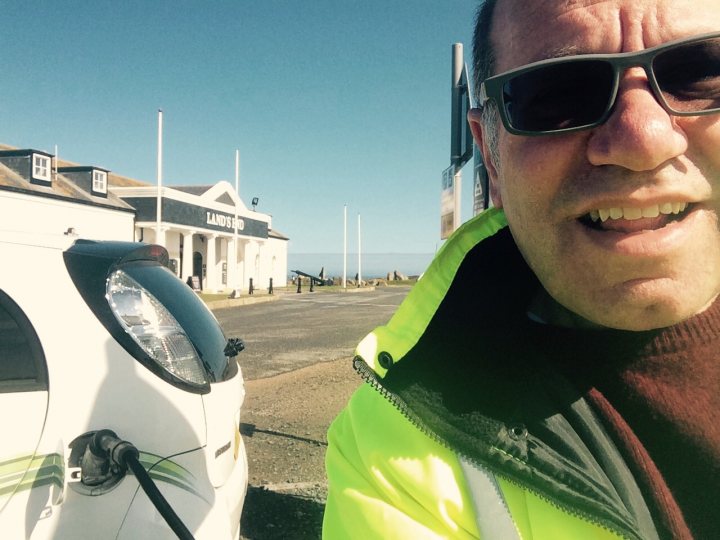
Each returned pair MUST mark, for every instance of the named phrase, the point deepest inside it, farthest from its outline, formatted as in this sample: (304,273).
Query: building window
(41,167)
(99,181)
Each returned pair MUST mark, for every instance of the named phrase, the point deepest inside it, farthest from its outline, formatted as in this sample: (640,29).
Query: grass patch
(211,297)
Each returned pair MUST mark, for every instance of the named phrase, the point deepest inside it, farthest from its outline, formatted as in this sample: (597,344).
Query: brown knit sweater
(658,393)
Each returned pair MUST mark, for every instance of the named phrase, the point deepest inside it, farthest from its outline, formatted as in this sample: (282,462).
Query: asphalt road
(298,376)
(303,329)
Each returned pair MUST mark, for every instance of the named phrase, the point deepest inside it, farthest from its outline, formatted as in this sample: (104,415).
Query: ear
(476,126)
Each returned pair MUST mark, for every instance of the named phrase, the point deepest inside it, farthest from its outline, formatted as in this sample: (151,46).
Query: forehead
(524,31)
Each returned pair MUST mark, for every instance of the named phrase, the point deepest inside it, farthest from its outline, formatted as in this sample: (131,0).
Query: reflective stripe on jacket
(396,469)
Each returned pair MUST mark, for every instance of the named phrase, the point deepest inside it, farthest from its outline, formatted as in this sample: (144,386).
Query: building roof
(64,188)
(61,188)
(116,180)
(272,233)
(193,190)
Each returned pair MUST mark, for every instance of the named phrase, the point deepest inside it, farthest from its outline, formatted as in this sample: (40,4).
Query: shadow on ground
(269,515)
(248,430)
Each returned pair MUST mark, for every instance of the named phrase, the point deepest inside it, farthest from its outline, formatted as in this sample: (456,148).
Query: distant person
(556,372)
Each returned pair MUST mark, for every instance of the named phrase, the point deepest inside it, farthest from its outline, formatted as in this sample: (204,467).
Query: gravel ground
(298,376)
(286,441)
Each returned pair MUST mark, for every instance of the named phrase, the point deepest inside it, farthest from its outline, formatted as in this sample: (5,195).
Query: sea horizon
(373,265)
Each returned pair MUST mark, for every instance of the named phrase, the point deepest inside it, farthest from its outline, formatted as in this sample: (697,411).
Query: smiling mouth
(635,219)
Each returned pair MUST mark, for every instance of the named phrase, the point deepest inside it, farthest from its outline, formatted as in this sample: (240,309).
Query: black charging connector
(106,456)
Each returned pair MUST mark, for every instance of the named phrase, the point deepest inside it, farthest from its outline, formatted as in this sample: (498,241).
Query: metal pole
(456,150)
(359,256)
(457,195)
(159,178)
(237,172)
(344,279)
(238,286)
(455,108)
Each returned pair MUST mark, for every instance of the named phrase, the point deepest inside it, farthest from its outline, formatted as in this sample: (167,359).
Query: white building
(197,223)
(198,229)
(36,199)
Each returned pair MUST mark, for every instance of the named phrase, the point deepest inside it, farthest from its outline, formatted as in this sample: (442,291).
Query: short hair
(483,67)
(483,53)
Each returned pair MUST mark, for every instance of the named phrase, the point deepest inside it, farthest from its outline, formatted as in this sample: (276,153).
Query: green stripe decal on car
(20,474)
(165,470)
(27,472)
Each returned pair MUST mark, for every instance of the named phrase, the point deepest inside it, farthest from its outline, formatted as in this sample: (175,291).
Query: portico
(210,234)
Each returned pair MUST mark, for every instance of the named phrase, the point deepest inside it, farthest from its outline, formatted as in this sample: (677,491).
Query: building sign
(182,213)
(447,203)
(223,220)
(481,200)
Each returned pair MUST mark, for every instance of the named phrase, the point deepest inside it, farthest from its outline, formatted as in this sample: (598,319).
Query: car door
(23,406)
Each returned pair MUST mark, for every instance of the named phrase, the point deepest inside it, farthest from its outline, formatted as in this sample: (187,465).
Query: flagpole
(158,239)
(359,256)
(236,272)
(344,279)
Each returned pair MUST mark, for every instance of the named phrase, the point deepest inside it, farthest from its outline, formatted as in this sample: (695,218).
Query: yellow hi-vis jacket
(440,443)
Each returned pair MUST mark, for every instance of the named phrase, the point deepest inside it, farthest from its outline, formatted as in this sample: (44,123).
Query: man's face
(624,273)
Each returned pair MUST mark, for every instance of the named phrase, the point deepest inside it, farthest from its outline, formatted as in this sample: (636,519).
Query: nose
(639,135)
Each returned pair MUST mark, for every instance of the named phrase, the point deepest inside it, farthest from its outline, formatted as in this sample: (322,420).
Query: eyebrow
(567,50)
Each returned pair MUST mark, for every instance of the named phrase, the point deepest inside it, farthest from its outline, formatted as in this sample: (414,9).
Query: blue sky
(330,102)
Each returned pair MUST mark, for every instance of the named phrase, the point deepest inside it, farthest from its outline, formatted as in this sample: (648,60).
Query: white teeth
(651,211)
(631,213)
(678,207)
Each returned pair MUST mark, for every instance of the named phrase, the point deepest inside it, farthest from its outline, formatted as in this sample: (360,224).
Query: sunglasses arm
(483,98)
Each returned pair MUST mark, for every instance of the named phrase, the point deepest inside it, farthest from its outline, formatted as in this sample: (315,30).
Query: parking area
(297,366)
(304,329)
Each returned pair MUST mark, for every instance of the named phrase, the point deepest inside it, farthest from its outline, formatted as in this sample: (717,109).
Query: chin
(650,316)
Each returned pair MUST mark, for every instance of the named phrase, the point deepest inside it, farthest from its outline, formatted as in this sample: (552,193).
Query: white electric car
(120,397)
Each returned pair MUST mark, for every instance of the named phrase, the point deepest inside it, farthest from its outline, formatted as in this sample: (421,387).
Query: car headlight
(154,329)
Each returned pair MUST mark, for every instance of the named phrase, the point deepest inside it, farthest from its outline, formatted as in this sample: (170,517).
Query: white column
(252,269)
(232,270)
(187,264)
(211,265)
(160,238)
(260,268)
(224,250)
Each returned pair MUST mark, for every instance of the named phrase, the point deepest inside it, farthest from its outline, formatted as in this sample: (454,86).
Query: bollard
(311,284)
(270,288)
(299,289)
(251,289)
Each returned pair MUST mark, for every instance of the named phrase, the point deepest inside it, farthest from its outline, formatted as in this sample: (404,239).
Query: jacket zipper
(370,377)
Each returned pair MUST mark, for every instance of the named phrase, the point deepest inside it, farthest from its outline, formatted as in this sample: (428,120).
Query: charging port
(98,474)
(103,459)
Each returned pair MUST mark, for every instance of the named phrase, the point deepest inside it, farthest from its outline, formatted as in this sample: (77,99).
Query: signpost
(447,203)
(462,148)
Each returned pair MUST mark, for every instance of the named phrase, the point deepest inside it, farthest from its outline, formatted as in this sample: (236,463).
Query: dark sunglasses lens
(561,96)
(689,76)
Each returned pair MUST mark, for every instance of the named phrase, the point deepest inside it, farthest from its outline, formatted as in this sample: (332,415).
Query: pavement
(299,330)
(298,373)
(259,298)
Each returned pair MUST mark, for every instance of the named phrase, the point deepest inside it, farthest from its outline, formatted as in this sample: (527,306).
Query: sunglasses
(571,93)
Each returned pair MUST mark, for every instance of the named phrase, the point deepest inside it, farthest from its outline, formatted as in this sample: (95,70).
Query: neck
(545,309)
